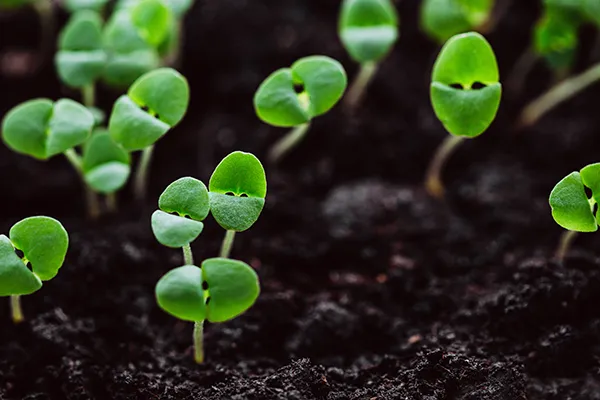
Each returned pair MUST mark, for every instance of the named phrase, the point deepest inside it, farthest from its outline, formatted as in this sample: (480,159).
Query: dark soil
(371,290)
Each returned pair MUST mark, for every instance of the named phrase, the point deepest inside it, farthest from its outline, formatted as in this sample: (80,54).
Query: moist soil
(371,290)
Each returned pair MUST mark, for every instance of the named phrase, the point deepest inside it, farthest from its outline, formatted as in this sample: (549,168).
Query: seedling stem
(289,141)
(360,84)
(111,202)
(199,342)
(88,94)
(558,94)
(93,206)
(566,240)
(433,179)
(227,244)
(188,256)
(17,312)
(141,177)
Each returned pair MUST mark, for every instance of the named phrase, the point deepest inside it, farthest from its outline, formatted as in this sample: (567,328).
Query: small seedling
(43,243)
(442,19)
(368,29)
(153,19)
(237,190)
(219,291)
(556,40)
(154,104)
(571,207)
(465,94)
(292,97)
(81,58)
(182,207)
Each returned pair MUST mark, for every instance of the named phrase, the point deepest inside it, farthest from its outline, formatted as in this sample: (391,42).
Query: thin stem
(75,160)
(520,71)
(565,244)
(558,94)
(93,204)
(227,244)
(45,11)
(360,84)
(17,311)
(433,179)
(199,342)
(188,256)
(111,202)
(141,177)
(288,142)
(88,95)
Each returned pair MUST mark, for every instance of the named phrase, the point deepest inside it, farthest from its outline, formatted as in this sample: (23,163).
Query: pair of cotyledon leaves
(466,60)
(442,19)
(238,188)
(44,242)
(368,28)
(571,207)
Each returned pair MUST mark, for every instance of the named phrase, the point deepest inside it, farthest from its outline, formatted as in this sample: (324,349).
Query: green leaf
(556,39)
(321,82)
(15,277)
(106,165)
(121,36)
(83,32)
(590,176)
(42,129)
(591,9)
(173,230)
(466,60)
(180,293)
(78,5)
(153,20)
(442,19)
(238,188)
(123,69)
(44,242)
(570,205)
(186,196)
(477,12)
(368,28)
(233,288)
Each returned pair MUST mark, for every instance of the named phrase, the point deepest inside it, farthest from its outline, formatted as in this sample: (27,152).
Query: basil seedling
(465,94)
(154,104)
(43,242)
(237,190)
(292,97)
(182,207)
(80,59)
(368,29)
(442,19)
(571,207)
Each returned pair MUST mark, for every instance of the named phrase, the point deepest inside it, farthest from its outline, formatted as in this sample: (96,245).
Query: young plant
(154,104)
(292,97)
(220,290)
(42,129)
(368,29)
(43,243)
(465,94)
(80,59)
(237,191)
(182,207)
(571,207)
(442,19)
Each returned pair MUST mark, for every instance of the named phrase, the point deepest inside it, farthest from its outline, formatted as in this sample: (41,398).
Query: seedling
(465,94)
(182,207)
(154,104)
(442,19)
(292,97)
(571,207)
(219,291)
(238,188)
(43,243)
(368,29)
(80,59)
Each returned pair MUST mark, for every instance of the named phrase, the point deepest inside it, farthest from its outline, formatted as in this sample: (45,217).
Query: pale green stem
(17,312)
(188,256)
(558,94)
(564,245)
(433,179)
(111,202)
(88,95)
(45,13)
(141,177)
(199,342)
(360,84)
(227,244)
(288,142)
(93,205)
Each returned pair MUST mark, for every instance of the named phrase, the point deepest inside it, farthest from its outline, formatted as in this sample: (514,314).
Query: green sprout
(153,20)
(442,19)
(368,29)
(292,97)
(154,104)
(465,94)
(220,290)
(182,207)
(556,40)
(43,243)
(571,207)
(237,190)
(81,59)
